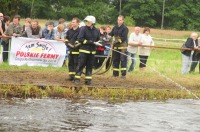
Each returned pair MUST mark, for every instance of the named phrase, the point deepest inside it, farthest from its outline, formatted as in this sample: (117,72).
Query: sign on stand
(36,52)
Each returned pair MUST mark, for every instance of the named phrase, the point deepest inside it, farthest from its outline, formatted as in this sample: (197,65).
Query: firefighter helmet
(91,19)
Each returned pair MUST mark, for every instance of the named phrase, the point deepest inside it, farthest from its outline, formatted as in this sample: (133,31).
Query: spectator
(6,20)
(34,30)
(98,61)
(14,29)
(144,52)
(2,25)
(62,22)
(69,26)
(26,25)
(59,33)
(49,33)
(107,44)
(60,36)
(191,42)
(134,39)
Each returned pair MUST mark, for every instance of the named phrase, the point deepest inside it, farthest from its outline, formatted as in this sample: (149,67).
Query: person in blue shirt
(49,33)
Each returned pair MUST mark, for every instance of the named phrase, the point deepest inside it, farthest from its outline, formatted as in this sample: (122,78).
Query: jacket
(48,35)
(120,33)
(134,39)
(146,40)
(72,36)
(103,37)
(34,33)
(12,28)
(86,37)
(3,26)
(189,44)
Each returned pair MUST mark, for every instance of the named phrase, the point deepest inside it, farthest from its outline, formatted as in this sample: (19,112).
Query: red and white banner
(36,52)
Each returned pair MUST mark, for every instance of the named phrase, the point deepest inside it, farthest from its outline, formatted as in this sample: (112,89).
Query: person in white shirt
(134,39)
(144,52)
(60,33)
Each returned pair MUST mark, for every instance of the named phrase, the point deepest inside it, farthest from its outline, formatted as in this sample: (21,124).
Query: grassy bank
(28,91)
(146,85)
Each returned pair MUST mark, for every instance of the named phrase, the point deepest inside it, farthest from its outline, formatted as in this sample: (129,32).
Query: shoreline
(47,83)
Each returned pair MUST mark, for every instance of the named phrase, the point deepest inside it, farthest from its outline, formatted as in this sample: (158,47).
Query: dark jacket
(72,36)
(91,35)
(12,28)
(3,26)
(189,44)
(121,33)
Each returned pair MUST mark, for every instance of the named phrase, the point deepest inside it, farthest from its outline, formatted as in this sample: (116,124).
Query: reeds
(113,94)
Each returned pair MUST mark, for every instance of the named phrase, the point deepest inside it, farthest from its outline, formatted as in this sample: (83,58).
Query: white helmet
(81,24)
(91,19)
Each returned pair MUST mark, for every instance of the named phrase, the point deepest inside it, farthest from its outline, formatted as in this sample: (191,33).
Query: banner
(36,52)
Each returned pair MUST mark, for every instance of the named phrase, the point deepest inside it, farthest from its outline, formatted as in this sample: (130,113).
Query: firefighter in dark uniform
(73,48)
(87,36)
(120,34)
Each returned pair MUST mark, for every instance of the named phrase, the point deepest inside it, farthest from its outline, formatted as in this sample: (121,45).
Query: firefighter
(120,34)
(87,36)
(73,49)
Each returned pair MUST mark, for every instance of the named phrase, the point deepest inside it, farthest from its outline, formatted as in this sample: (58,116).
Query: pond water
(99,116)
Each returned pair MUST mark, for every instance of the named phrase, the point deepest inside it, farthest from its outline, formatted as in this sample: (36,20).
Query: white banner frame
(36,52)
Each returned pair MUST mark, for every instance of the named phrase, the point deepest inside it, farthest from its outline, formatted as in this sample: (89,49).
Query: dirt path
(53,78)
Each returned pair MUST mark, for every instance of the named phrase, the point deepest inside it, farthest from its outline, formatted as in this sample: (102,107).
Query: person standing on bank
(14,29)
(73,48)
(120,34)
(134,39)
(87,36)
(144,52)
(191,42)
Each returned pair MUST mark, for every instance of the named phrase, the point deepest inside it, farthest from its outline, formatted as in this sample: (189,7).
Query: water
(98,116)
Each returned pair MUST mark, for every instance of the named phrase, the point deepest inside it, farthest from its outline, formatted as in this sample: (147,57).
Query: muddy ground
(53,78)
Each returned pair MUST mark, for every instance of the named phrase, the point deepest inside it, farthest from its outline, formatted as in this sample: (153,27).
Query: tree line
(178,14)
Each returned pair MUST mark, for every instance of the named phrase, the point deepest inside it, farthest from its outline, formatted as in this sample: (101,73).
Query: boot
(71,78)
(123,77)
(77,82)
(88,82)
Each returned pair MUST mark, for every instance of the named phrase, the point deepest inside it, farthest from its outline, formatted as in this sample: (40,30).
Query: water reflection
(96,115)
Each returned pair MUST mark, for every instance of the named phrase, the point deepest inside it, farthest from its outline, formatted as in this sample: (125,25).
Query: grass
(28,91)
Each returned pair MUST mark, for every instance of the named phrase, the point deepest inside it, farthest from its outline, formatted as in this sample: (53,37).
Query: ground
(55,78)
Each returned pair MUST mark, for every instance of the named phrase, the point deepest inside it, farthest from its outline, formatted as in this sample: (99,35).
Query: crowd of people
(82,44)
